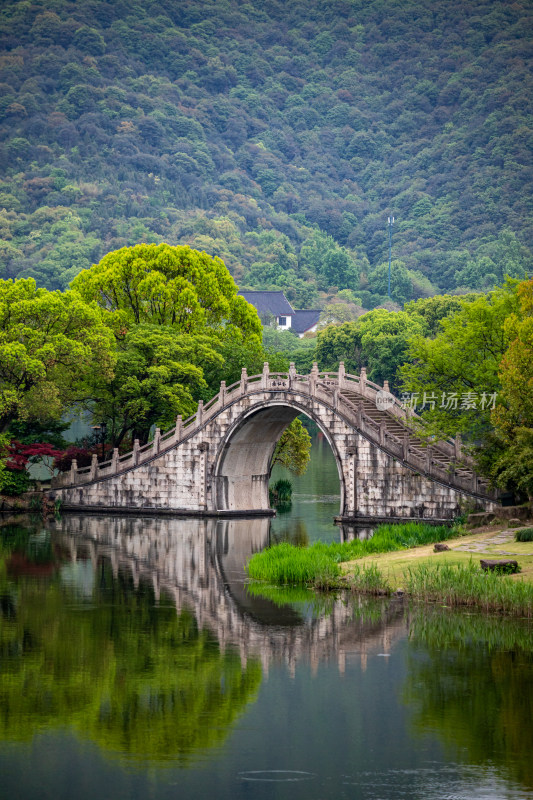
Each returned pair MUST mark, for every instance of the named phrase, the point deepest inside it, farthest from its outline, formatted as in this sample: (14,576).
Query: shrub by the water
(524,535)
(281,492)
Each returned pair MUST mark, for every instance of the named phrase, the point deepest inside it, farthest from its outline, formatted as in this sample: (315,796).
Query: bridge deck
(390,427)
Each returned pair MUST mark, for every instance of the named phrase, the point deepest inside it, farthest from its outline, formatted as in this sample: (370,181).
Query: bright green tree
(50,345)
(293,448)
(378,340)
(159,374)
(513,416)
(456,371)
(434,309)
(180,329)
(164,285)
(385,338)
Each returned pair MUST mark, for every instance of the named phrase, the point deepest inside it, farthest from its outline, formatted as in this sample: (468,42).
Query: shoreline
(452,577)
(488,542)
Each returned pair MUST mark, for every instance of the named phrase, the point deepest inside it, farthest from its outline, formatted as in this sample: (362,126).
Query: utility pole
(390,221)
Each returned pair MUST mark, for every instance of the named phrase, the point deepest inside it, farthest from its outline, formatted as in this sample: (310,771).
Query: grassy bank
(401,558)
(319,564)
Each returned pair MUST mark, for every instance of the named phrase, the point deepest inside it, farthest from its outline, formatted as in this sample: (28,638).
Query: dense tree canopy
(51,343)
(293,448)
(378,341)
(251,134)
(159,374)
(170,286)
(454,375)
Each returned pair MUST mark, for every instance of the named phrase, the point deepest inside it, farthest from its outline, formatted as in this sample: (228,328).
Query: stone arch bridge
(217,462)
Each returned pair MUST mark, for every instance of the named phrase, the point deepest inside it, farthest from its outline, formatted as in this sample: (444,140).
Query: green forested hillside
(277,135)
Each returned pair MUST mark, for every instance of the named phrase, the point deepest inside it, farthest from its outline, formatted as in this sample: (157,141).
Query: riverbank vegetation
(457,585)
(403,561)
(319,564)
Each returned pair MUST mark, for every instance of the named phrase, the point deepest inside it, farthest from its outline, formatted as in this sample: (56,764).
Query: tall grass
(470,586)
(524,535)
(298,566)
(317,565)
(369,580)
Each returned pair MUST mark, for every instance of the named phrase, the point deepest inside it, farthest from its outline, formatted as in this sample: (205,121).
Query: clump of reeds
(369,580)
(318,564)
(470,586)
(286,564)
(524,535)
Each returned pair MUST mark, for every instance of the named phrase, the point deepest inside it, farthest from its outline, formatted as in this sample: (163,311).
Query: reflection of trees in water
(295,532)
(159,651)
(133,675)
(470,680)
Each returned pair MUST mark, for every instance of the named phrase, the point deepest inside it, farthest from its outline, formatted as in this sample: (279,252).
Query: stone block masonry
(218,462)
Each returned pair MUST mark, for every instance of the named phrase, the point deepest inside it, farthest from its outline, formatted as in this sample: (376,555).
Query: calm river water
(135,663)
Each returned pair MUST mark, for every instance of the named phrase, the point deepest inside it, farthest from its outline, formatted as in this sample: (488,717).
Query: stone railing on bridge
(326,388)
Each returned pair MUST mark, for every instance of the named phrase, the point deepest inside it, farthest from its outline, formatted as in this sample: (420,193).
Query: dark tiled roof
(269,302)
(303,320)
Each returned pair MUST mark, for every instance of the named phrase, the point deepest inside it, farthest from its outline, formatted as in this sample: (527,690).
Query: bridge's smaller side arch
(241,468)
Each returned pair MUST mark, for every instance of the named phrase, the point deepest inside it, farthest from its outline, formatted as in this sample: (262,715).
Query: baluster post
(157,440)
(73,470)
(292,373)
(264,379)
(362,380)
(244,381)
(313,377)
(94,467)
(200,412)
(222,393)
(114,460)
(341,374)
(135,451)
(179,427)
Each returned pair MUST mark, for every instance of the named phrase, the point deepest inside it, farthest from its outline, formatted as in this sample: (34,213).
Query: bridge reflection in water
(199,563)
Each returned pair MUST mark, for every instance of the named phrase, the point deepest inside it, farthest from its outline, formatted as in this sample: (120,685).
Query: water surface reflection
(132,647)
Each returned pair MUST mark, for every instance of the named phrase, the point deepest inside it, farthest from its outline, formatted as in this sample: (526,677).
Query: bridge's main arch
(241,468)
(218,461)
